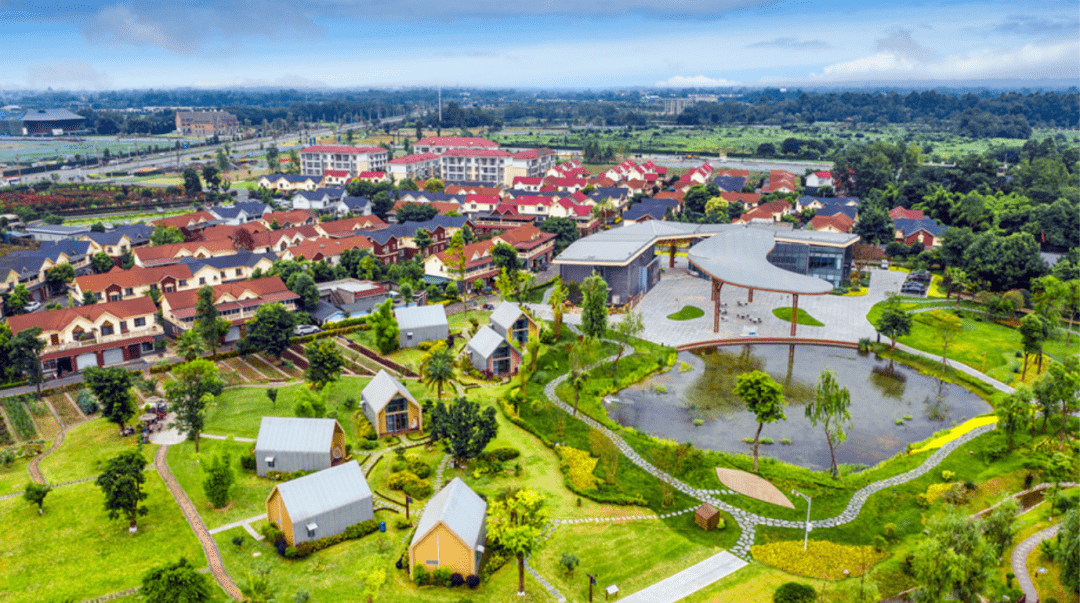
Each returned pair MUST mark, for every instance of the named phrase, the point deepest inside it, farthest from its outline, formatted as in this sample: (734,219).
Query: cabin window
(311,528)
(270,462)
(397,415)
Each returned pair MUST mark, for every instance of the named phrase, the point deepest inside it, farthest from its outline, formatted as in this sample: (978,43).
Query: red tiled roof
(676,195)
(352,224)
(455,189)
(485,199)
(747,199)
(899,212)
(534,153)
(329,247)
(135,277)
(285,218)
(157,254)
(262,288)
(506,209)
(224,231)
(449,258)
(407,159)
(734,173)
(823,174)
(55,320)
(534,200)
(184,220)
(336,173)
(838,221)
(343,150)
(455,141)
(376,175)
(476,153)
(526,237)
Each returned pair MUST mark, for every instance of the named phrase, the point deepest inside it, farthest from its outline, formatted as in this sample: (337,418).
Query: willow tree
(830,408)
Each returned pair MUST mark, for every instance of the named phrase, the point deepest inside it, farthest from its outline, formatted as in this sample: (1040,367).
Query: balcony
(91,339)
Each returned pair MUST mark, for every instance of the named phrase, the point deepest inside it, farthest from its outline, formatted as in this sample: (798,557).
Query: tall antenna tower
(440,105)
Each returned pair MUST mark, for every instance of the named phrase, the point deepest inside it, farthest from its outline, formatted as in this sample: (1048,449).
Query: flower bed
(821,559)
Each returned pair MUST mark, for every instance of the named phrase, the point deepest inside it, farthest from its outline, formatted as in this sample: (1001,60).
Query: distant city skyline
(555,44)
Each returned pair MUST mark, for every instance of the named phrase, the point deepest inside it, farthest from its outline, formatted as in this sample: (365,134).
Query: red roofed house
(372,177)
(533,163)
(900,212)
(749,200)
(535,247)
(190,221)
(479,264)
(277,241)
(734,173)
(316,160)
(817,180)
(527,183)
(781,181)
(441,144)
(833,223)
(335,177)
(327,249)
(419,166)
(287,219)
(93,335)
(161,255)
(350,226)
(766,212)
(118,284)
(461,189)
(477,165)
(535,205)
(236,301)
(480,203)
(224,231)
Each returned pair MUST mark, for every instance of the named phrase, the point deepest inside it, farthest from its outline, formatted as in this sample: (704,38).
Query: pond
(700,386)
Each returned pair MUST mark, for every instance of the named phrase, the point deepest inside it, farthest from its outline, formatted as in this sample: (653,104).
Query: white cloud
(285,81)
(882,61)
(696,81)
(65,74)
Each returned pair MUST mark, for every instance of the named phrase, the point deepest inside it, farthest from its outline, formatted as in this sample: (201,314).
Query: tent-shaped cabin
(491,353)
(452,531)
(290,444)
(321,504)
(389,406)
(511,322)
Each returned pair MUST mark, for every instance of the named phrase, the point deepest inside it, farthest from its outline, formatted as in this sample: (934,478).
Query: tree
(89,298)
(564,229)
(1014,413)
(516,522)
(416,212)
(208,324)
(24,356)
(271,394)
(462,427)
(947,328)
(577,377)
(302,284)
(190,345)
(59,276)
(999,526)
(177,582)
(594,311)
(272,159)
(794,592)
(112,388)
(953,278)
(221,161)
(423,240)
(166,235)
(1033,335)
(324,363)
(217,481)
(1056,392)
(830,408)
(874,225)
(569,562)
(384,323)
(607,452)
(16,301)
(458,261)
(243,240)
(434,185)
(381,204)
(556,299)
(953,561)
(504,256)
(194,386)
(437,369)
(121,482)
(258,588)
(101,262)
(1069,550)
(630,326)
(271,328)
(192,184)
(894,322)
(764,397)
(35,494)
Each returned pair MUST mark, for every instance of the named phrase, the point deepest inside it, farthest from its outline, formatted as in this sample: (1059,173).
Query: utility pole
(440,123)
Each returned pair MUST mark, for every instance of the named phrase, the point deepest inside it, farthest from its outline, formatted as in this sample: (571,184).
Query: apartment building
(483,165)
(441,144)
(207,123)
(420,166)
(236,302)
(317,160)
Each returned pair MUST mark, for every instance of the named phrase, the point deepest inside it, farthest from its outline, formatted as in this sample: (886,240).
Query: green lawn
(632,554)
(411,357)
(754,583)
(248,494)
(75,551)
(804,318)
(687,313)
(86,448)
(14,477)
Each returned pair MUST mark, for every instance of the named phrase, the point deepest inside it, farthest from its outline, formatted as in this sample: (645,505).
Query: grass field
(86,448)
(248,494)
(411,357)
(804,317)
(687,313)
(75,551)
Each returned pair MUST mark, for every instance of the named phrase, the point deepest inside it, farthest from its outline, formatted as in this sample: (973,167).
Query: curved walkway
(213,557)
(1019,561)
(748,521)
(35,472)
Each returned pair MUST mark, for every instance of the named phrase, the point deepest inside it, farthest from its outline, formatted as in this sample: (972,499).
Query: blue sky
(544,43)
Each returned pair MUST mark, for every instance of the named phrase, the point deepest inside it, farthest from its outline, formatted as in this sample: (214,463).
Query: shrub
(947,476)
(441,576)
(889,532)
(281,545)
(86,401)
(956,495)
(472,581)
(420,575)
(369,444)
(247,461)
(456,579)
(579,466)
(402,524)
(291,552)
(794,592)
(505,454)
(547,335)
(306,548)
(272,533)
(421,488)
(823,559)
(399,479)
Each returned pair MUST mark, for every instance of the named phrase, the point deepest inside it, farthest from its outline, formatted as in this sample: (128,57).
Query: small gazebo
(707,516)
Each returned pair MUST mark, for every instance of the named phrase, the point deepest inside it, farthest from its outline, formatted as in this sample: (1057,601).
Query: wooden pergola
(718,284)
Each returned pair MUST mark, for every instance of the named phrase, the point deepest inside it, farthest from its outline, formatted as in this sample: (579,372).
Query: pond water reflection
(881,393)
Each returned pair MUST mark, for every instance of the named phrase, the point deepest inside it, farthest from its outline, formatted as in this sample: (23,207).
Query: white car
(33,306)
(303,330)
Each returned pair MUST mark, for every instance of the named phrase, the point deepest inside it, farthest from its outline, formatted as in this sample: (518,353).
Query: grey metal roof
(58,229)
(295,434)
(738,255)
(418,317)
(505,315)
(815,237)
(51,115)
(381,389)
(620,245)
(485,342)
(53,249)
(312,495)
(224,262)
(138,233)
(458,508)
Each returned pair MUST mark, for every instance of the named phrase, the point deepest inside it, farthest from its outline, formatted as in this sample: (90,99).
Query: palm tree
(577,377)
(437,369)
(190,345)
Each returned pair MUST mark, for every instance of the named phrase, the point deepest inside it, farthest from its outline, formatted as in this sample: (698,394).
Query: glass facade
(832,264)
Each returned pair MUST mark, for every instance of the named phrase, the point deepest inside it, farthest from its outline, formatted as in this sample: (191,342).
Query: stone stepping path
(1020,557)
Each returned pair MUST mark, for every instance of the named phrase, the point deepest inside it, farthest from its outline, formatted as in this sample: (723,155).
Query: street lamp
(806,534)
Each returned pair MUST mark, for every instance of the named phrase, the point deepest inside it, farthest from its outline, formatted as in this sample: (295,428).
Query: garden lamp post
(806,534)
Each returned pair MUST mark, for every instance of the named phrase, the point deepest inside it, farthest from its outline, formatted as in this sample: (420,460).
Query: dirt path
(35,472)
(213,557)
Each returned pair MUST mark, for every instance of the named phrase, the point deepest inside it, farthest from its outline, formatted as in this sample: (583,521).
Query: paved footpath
(1020,557)
(688,581)
(213,557)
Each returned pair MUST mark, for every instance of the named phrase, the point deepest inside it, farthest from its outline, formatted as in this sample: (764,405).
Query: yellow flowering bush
(935,491)
(821,559)
(580,466)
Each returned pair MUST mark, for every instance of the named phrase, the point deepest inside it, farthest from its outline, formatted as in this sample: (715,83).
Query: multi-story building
(533,163)
(119,284)
(479,263)
(420,166)
(441,144)
(316,160)
(95,335)
(477,165)
(207,123)
(235,301)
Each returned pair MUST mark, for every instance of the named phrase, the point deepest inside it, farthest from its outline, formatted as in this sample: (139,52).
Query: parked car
(33,306)
(922,276)
(913,288)
(303,330)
